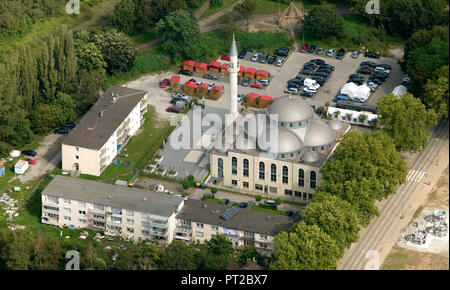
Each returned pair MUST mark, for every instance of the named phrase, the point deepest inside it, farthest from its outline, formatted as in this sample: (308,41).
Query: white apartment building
(119,211)
(94,143)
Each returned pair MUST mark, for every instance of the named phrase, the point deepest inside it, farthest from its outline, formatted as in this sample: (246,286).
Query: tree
(186,185)
(246,9)
(117,49)
(124,17)
(335,217)
(219,245)
(362,118)
(179,31)
(436,92)
(15,128)
(305,247)
(250,253)
(278,201)
(141,256)
(15,249)
(42,119)
(215,3)
(322,23)
(177,256)
(406,120)
(258,198)
(47,253)
(149,12)
(90,58)
(63,109)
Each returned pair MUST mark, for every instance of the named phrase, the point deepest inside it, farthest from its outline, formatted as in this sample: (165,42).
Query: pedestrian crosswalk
(415,175)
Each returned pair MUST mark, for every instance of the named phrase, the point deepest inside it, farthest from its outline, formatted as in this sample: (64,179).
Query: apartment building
(104,130)
(199,221)
(118,211)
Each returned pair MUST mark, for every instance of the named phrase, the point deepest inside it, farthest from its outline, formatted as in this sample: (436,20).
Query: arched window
(245,162)
(262,170)
(285,174)
(301,177)
(220,168)
(312,179)
(234,165)
(273,172)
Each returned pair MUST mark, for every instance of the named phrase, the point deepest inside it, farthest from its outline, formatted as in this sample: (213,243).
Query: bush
(278,201)
(213,190)
(186,185)
(215,3)
(258,198)
(191,180)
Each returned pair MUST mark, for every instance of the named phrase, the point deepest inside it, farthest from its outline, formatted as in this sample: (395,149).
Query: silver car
(355,54)
(255,57)
(331,52)
(280,61)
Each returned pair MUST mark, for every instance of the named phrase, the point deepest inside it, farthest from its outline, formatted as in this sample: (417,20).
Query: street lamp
(303,29)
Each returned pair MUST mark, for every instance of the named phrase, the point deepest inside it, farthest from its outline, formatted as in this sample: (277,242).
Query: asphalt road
(371,236)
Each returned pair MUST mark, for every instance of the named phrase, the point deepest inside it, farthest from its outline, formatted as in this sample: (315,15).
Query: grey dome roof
(310,156)
(335,125)
(319,134)
(288,142)
(291,110)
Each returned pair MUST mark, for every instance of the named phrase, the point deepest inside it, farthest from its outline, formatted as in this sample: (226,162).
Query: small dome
(288,142)
(335,125)
(291,110)
(319,134)
(310,157)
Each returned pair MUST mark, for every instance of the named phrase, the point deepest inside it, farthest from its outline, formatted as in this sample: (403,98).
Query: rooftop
(246,219)
(113,195)
(100,122)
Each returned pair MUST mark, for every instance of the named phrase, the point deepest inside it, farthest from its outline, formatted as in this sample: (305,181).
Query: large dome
(310,157)
(291,110)
(335,125)
(288,142)
(319,134)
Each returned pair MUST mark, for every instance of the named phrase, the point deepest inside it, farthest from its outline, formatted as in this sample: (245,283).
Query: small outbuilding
(214,66)
(265,101)
(21,166)
(250,72)
(224,68)
(175,82)
(189,87)
(189,65)
(202,89)
(262,74)
(241,71)
(216,92)
(252,99)
(201,67)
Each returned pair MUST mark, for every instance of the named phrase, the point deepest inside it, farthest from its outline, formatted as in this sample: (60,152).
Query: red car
(225,57)
(164,83)
(257,85)
(174,109)
(304,47)
(30,161)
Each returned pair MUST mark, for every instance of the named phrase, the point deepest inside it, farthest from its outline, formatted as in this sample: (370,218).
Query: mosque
(292,170)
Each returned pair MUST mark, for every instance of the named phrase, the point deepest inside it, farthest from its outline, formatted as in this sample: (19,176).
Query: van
(270,203)
(310,83)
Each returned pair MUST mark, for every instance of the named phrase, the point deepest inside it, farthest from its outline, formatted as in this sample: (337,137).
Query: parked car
(325,65)
(364,71)
(341,98)
(386,66)
(310,90)
(307,94)
(174,109)
(318,61)
(242,53)
(294,85)
(257,85)
(61,131)
(243,205)
(300,78)
(263,58)
(240,96)
(373,86)
(319,50)
(282,51)
(356,76)
(271,203)
(186,72)
(322,74)
(368,63)
(181,96)
(304,47)
(289,213)
(211,76)
(312,48)
(325,70)
(272,59)
(200,185)
(280,61)
(367,68)
(164,83)
(291,90)
(69,125)
(372,55)
(306,72)
(340,54)
(356,81)
(245,82)
(264,82)
(30,161)
(375,80)
(297,81)
(296,216)
(255,57)
(331,52)
(382,69)
(320,80)
(355,54)
(225,57)
(31,153)
(225,201)
(175,100)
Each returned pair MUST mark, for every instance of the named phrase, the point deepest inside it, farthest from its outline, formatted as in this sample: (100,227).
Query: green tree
(250,253)
(15,249)
(42,119)
(321,23)
(117,49)
(219,245)
(141,256)
(63,109)
(335,217)
(90,58)
(47,253)
(305,247)
(436,92)
(177,256)
(179,31)
(215,3)
(124,17)
(406,120)
(149,12)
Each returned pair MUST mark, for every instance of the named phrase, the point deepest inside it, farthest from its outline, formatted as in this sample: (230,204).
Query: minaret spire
(233,68)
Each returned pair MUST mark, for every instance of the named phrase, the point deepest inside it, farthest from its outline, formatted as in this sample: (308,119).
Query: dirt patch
(440,195)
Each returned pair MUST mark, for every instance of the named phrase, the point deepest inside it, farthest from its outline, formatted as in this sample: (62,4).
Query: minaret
(233,68)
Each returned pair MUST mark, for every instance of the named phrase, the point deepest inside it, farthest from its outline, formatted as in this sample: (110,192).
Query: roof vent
(109,196)
(100,114)
(144,199)
(114,99)
(205,205)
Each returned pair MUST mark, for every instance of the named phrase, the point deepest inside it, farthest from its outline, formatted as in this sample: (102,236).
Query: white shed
(21,166)
(399,91)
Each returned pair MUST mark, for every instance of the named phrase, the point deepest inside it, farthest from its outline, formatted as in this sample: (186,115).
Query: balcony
(158,224)
(96,211)
(183,229)
(159,233)
(97,225)
(51,208)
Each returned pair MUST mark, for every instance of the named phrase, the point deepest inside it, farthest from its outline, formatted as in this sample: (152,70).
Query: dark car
(263,58)
(242,53)
(325,65)
(364,71)
(306,94)
(386,66)
(31,153)
(174,109)
(225,201)
(297,81)
(372,55)
(243,205)
(272,59)
(325,69)
(310,64)
(289,213)
(245,82)
(367,67)
(282,51)
(68,126)
(318,61)
(61,131)
(356,76)
(340,53)
(175,100)
(355,81)
(306,72)
(296,215)
(322,74)
(185,72)
(375,80)
(320,80)
(294,85)
(211,76)
(300,78)
(368,63)
(312,48)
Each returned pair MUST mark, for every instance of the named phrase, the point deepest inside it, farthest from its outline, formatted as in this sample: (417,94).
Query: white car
(210,86)
(291,90)
(372,86)
(255,57)
(264,82)
(180,95)
(280,61)
(331,52)
(382,69)
(310,90)
(240,96)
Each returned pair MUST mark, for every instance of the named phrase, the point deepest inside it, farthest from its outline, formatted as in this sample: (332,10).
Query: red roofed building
(175,81)
(252,99)
(214,66)
(189,87)
(216,92)
(201,67)
(189,65)
(265,101)
(262,74)
(241,71)
(202,89)
(250,72)
(224,69)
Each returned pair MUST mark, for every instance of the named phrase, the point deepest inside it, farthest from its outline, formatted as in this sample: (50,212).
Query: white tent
(360,93)
(399,90)
(349,89)
(363,92)
(14,153)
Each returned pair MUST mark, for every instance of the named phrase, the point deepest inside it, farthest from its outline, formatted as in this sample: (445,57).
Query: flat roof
(120,196)
(246,219)
(100,122)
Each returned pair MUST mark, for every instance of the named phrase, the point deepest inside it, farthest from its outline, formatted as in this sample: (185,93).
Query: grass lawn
(210,11)
(144,37)
(395,261)
(272,211)
(210,199)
